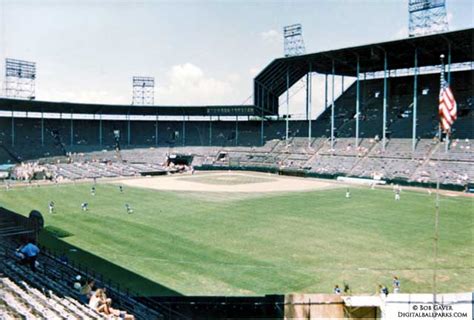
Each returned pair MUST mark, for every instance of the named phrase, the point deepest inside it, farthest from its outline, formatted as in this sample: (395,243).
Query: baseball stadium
(242,211)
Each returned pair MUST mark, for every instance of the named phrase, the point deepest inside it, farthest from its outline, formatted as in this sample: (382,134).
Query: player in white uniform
(397,194)
(51,207)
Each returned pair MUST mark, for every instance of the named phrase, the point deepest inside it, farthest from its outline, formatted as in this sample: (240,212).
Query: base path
(229,182)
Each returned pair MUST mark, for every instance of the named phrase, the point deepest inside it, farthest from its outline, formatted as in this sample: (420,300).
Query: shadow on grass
(99,266)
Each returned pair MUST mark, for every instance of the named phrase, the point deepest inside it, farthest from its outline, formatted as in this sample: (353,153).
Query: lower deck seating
(49,294)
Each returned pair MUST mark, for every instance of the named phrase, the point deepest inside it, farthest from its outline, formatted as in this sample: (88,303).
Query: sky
(200,52)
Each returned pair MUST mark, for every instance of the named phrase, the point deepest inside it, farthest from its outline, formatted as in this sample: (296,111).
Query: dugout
(179,159)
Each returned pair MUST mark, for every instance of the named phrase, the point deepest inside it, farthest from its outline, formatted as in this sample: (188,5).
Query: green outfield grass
(238,244)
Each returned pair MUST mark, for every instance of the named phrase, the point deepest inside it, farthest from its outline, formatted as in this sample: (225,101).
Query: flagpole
(442,83)
(436,222)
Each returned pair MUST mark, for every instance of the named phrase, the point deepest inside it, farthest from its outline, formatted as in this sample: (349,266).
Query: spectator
(100,303)
(383,290)
(396,284)
(337,290)
(86,292)
(30,253)
(77,283)
(63,258)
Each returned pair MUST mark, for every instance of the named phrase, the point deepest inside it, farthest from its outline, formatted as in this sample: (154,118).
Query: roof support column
(309,97)
(156,130)
(13,129)
(100,129)
(128,129)
(325,91)
(262,129)
(342,85)
(210,130)
(384,120)
(184,130)
(236,130)
(287,103)
(332,107)
(415,102)
(449,63)
(72,131)
(357,104)
(42,128)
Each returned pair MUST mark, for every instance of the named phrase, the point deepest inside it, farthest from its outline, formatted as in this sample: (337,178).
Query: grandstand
(65,142)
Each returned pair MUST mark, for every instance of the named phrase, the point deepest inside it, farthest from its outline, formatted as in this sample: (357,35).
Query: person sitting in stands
(100,303)
(30,253)
(86,291)
(95,301)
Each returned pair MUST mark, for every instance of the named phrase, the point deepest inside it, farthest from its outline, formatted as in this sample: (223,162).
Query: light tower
(143,91)
(293,40)
(20,78)
(427,17)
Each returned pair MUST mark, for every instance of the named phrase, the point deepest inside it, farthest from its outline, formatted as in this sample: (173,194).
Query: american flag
(447,107)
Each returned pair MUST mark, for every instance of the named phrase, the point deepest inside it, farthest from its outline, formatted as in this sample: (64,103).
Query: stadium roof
(105,109)
(271,81)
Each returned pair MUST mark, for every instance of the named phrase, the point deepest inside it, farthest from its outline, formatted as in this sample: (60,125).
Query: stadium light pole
(357,103)
(384,120)
(332,107)
(415,102)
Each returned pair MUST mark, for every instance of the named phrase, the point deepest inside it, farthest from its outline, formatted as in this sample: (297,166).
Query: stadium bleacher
(49,293)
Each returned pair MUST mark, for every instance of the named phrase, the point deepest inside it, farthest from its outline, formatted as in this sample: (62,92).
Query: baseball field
(227,233)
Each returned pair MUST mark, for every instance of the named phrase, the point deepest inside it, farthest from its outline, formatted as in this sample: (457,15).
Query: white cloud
(187,84)
(254,71)
(233,77)
(401,33)
(271,36)
(84,96)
